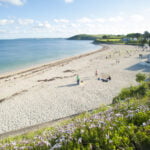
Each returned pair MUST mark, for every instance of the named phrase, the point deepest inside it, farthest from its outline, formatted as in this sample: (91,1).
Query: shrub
(140,77)
(133,92)
(140,118)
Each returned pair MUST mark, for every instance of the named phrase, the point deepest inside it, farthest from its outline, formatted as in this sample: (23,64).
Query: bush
(140,118)
(140,77)
(133,92)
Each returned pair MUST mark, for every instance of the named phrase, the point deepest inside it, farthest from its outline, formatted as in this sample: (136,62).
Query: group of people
(108,78)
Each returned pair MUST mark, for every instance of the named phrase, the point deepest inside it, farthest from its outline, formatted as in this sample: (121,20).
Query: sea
(16,54)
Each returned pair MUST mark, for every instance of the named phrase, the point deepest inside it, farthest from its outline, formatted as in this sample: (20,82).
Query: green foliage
(134,35)
(109,41)
(85,37)
(133,92)
(140,77)
(146,35)
(139,118)
(143,41)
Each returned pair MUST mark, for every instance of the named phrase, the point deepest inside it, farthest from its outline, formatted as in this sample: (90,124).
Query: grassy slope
(85,37)
(122,125)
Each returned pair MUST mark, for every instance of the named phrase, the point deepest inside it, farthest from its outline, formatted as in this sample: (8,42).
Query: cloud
(6,21)
(25,21)
(84,20)
(100,20)
(116,19)
(61,27)
(69,1)
(43,25)
(137,18)
(14,2)
(61,20)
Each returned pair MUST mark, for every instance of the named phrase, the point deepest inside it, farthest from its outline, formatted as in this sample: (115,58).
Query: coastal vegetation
(129,39)
(125,125)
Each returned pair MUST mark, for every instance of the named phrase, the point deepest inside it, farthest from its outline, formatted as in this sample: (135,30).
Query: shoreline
(50,92)
(50,64)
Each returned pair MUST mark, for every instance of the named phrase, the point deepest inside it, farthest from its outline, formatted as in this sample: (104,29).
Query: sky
(65,18)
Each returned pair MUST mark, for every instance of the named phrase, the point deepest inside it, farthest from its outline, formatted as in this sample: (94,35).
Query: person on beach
(78,80)
(96,73)
(109,78)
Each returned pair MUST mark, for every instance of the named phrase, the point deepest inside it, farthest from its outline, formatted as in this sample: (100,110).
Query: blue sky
(64,18)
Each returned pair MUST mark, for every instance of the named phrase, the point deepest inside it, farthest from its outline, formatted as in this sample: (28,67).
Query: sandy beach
(49,91)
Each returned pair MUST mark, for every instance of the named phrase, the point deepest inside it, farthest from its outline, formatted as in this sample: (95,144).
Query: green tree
(146,35)
(105,37)
(144,41)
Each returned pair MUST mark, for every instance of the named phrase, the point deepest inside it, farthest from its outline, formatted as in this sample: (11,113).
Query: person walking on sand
(96,73)
(78,79)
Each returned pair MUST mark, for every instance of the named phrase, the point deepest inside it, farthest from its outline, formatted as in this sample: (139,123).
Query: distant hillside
(85,37)
(129,39)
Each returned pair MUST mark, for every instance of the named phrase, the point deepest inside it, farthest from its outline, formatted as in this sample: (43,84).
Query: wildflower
(101,122)
(129,127)
(110,141)
(111,128)
(92,126)
(130,111)
(56,146)
(13,143)
(82,131)
(22,148)
(130,116)
(107,136)
(16,148)
(118,115)
(144,124)
(29,147)
(68,131)
(80,140)
(62,139)
(47,143)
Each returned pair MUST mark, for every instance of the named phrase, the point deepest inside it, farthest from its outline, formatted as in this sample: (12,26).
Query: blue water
(22,53)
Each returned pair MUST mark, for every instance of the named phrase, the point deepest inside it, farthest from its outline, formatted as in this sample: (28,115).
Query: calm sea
(21,53)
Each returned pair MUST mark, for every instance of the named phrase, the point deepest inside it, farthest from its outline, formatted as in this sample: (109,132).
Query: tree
(105,37)
(138,35)
(144,41)
(146,35)
(134,35)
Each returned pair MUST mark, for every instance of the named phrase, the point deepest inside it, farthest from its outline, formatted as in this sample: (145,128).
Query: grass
(109,41)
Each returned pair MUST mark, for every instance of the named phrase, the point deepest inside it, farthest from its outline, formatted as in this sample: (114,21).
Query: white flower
(82,131)
(118,115)
(110,141)
(144,124)
(107,136)
(57,145)
(80,140)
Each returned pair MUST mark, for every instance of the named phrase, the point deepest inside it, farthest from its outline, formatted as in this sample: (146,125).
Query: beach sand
(49,91)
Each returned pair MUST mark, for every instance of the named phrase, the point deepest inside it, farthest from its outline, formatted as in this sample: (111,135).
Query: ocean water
(22,53)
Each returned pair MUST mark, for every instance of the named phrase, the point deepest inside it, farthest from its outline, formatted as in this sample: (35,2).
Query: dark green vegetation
(140,77)
(124,125)
(131,39)
(85,37)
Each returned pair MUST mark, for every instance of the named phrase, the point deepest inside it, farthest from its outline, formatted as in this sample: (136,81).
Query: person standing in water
(78,79)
